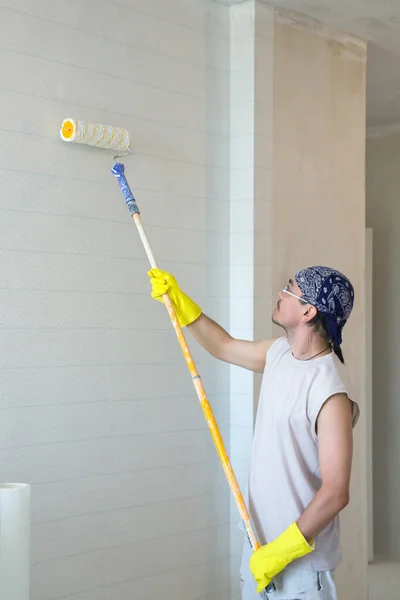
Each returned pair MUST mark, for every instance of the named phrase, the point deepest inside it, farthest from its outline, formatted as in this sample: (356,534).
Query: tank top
(284,472)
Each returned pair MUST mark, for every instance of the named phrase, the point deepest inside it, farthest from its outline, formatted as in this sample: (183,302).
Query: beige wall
(383,216)
(319,208)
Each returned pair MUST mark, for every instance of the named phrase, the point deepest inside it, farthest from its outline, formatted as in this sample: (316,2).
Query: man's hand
(271,559)
(162,283)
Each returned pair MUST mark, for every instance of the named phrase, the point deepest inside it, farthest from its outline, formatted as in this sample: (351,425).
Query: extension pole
(118,171)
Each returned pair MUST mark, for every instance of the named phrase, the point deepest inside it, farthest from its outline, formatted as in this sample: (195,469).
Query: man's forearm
(326,504)
(210,335)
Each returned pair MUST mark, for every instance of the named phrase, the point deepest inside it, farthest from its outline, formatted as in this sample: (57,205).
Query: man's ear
(309,312)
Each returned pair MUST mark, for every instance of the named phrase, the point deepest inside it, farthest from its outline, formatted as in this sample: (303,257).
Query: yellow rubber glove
(271,559)
(162,282)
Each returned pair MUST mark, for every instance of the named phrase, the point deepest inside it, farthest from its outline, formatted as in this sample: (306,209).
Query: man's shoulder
(279,346)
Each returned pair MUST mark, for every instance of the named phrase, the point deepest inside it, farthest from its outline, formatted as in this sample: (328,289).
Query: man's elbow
(342,500)
(339,498)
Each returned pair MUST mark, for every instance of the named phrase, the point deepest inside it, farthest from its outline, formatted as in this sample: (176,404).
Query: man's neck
(306,346)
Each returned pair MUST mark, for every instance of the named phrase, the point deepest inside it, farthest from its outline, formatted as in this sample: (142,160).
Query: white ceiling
(378,22)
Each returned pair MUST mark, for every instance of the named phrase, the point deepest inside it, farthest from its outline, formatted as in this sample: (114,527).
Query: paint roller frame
(119,171)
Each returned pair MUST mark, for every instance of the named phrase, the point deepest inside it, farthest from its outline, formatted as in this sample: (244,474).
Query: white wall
(383,216)
(251,241)
(97,409)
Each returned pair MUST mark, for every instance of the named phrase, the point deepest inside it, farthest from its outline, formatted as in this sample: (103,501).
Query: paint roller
(106,136)
(94,134)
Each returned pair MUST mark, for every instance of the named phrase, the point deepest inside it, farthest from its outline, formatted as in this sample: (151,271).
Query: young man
(302,448)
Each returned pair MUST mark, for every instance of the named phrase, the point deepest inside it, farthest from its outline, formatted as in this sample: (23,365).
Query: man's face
(289,311)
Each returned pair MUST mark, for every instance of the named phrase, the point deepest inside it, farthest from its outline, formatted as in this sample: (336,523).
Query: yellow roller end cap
(67,129)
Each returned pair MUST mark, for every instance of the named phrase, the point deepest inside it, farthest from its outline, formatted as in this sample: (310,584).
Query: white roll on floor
(15,533)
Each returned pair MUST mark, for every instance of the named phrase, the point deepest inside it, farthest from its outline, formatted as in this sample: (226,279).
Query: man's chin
(275,321)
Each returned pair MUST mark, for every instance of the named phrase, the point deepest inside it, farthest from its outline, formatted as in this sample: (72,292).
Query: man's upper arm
(335,442)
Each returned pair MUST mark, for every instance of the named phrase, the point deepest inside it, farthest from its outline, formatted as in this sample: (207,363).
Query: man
(302,447)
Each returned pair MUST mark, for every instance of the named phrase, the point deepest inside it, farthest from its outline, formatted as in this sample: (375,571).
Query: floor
(384,581)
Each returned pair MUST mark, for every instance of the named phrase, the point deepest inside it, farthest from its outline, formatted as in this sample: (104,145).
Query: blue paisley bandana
(331,293)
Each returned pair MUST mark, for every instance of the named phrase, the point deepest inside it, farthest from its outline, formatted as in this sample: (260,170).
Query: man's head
(292,310)
(317,297)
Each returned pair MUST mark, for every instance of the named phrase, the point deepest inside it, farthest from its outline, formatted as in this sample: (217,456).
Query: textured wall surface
(97,409)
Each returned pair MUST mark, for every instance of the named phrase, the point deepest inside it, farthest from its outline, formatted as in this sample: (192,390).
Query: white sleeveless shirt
(284,472)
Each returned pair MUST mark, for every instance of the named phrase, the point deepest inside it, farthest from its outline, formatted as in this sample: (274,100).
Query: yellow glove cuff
(186,309)
(292,544)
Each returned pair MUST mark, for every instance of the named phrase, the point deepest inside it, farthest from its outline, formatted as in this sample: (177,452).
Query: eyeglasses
(285,290)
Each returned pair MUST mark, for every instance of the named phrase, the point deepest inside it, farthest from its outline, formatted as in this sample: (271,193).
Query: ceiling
(378,22)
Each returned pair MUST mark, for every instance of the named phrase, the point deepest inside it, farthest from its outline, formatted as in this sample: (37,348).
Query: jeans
(293,583)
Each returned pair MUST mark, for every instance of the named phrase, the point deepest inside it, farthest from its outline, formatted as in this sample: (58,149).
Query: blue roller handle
(119,171)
